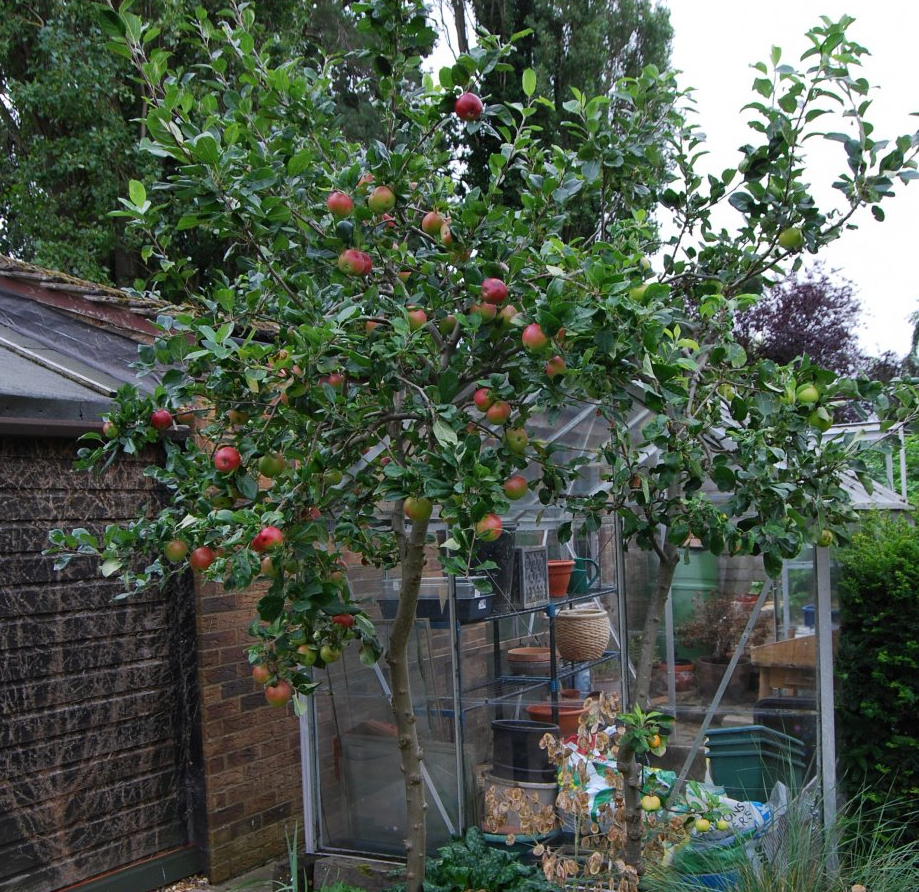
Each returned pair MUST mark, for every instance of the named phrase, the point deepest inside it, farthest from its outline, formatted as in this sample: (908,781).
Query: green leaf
(111,566)
(529,81)
(444,434)
(137,192)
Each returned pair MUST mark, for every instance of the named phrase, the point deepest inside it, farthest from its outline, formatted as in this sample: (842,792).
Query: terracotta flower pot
(559,577)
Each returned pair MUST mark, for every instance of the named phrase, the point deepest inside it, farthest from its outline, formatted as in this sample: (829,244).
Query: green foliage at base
(470,863)
(878,661)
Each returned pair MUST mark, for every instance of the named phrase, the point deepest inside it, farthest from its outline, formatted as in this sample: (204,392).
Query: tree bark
(626,761)
(459,20)
(403,711)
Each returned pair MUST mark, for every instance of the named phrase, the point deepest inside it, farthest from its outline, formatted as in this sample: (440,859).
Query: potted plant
(717,624)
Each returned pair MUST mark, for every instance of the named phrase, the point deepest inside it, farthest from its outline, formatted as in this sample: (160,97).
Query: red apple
(227,459)
(279,694)
(381,199)
(486,311)
(366,179)
(339,204)
(161,419)
(431,223)
(416,318)
(515,487)
(271,465)
(418,509)
(175,550)
(507,312)
(345,620)
(482,399)
(499,412)
(516,439)
(335,380)
(489,528)
(268,537)
(355,263)
(468,107)
(555,366)
(494,291)
(201,558)
(370,326)
(534,338)
(261,673)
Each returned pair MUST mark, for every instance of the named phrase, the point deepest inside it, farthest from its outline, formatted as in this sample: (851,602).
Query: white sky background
(715,42)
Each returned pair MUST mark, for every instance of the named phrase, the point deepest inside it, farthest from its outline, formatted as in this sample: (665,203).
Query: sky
(716,41)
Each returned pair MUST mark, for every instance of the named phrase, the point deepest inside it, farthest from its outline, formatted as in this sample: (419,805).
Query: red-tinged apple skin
(267,537)
(417,319)
(355,263)
(110,430)
(486,311)
(555,366)
(201,558)
(468,107)
(370,326)
(482,399)
(279,694)
(335,380)
(494,291)
(489,528)
(267,568)
(175,550)
(499,412)
(534,338)
(507,312)
(418,509)
(381,199)
(161,419)
(227,459)
(366,179)
(340,204)
(431,224)
(261,674)
(516,439)
(345,620)
(515,487)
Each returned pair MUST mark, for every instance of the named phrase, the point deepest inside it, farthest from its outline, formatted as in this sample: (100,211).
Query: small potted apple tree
(379,336)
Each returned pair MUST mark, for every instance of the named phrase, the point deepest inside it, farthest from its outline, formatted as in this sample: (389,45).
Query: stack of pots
(520,763)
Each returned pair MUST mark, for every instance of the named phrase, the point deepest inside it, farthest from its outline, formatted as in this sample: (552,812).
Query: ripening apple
(702,825)
(227,459)
(329,654)
(271,465)
(381,199)
(807,394)
(418,508)
(447,325)
(267,537)
(486,311)
(161,419)
(110,430)
(365,180)
(446,236)
(721,824)
(279,694)
(340,204)
(175,550)
(498,412)
(261,673)
(489,528)
(335,380)
(431,224)
(791,239)
(515,487)
(307,654)
(555,366)
(370,326)
(534,338)
(417,318)
(482,398)
(507,312)
(468,107)
(237,416)
(201,558)
(355,263)
(650,803)
(516,439)
(825,539)
(494,291)
(267,568)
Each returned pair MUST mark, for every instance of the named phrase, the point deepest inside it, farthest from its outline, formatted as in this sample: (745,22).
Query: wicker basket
(581,633)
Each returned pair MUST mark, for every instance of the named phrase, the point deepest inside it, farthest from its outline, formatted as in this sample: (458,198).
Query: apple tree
(382,343)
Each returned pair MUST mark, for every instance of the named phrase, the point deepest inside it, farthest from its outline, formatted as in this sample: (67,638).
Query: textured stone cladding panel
(99,756)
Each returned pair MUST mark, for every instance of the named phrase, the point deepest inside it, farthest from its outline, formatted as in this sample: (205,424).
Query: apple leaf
(529,82)
(137,192)
(113,565)
(445,434)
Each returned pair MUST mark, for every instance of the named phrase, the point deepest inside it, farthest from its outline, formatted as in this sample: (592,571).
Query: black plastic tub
(472,605)
(517,755)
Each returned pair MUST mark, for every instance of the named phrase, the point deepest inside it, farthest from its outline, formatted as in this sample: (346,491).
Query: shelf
(556,603)
(506,687)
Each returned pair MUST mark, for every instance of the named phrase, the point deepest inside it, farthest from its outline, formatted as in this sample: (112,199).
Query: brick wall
(251,750)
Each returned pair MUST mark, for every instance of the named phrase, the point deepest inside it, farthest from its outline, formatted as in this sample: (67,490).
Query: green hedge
(878,664)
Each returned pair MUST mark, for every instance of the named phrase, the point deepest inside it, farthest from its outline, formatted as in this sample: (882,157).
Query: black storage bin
(795,716)
(517,755)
